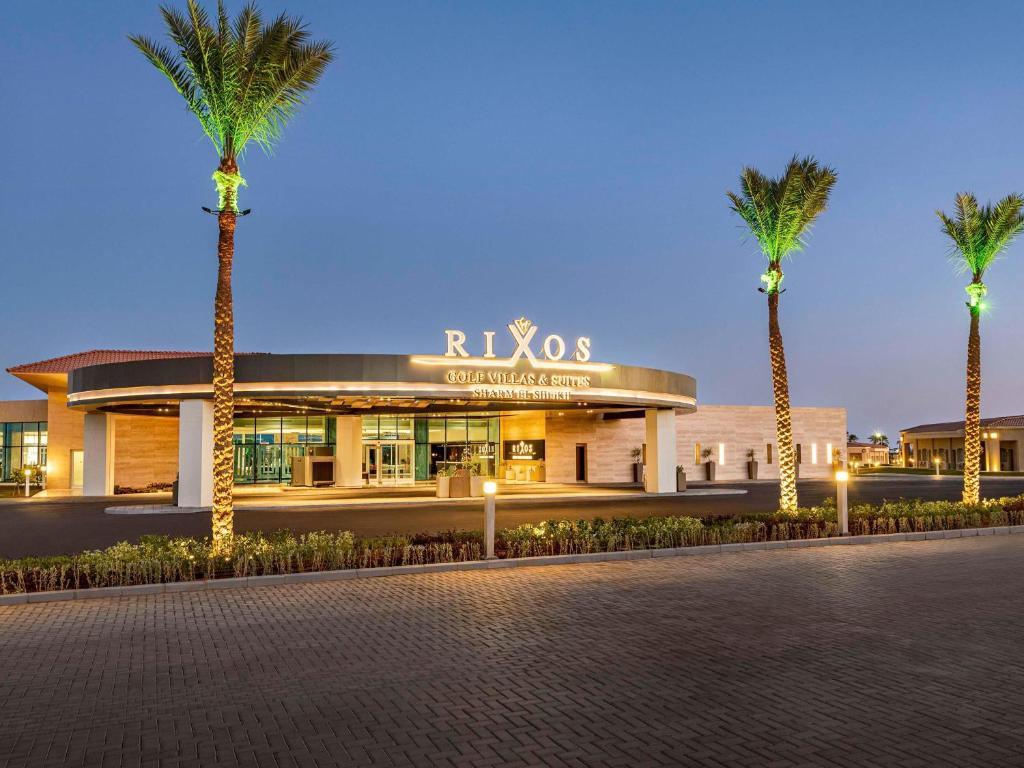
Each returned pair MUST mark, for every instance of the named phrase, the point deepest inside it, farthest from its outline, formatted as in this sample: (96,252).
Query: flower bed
(160,559)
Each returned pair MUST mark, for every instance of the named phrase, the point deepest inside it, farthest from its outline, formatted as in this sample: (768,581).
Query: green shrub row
(161,559)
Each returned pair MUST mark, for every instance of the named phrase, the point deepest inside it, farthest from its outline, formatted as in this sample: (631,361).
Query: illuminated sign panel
(529,378)
(523,450)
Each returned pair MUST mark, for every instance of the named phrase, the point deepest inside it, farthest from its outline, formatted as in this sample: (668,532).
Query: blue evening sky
(465,163)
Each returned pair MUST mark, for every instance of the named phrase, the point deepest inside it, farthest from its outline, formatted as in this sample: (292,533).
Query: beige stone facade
(1002,441)
(728,430)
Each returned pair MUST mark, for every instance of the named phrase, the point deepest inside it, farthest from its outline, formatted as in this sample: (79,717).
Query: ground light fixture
(842,511)
(28,477)
(938,463)
(490,491)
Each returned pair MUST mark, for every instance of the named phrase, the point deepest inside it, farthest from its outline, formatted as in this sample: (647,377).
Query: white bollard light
(28,475)
(938,463)
(842,512)
(490,490)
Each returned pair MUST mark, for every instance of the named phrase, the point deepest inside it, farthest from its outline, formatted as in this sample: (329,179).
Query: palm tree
(879,439)
(779,213)
(243,82)
(978,235)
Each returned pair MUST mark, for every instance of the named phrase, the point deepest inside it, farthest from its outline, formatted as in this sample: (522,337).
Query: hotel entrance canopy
(350,384)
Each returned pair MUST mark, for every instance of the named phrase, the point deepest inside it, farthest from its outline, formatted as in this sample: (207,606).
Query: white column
(195,453)
(98,456)
(348,451)
(661,451)
(991,455)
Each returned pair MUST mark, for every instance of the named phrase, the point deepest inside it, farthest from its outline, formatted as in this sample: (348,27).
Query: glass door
(388,462)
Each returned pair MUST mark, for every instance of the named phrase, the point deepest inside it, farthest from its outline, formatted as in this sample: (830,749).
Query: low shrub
(162,559)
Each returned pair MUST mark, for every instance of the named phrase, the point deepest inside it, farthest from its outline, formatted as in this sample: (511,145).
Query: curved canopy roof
(341,383)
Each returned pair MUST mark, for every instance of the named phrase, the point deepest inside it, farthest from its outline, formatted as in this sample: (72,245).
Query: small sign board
(523,450)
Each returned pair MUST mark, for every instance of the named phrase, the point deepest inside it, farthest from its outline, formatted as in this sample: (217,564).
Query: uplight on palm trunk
(243,81)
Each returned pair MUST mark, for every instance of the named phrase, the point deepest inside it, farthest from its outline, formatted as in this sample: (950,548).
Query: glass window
(293,430)
(477,430)
(455,432)
(268,431)
(435,430)
(30,433)
(316,430)
(403,430)
(371,428)
(43,432)
(493,430)
(245,430)
(388,428)
(12,432)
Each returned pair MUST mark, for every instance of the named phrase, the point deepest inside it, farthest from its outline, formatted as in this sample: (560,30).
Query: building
(867,454)
(1000,444)
(138,418)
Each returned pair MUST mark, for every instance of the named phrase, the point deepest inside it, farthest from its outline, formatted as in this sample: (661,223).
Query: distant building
(1000,444)
(867,454)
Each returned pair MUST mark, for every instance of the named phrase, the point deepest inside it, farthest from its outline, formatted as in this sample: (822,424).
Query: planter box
(709,468)
(638,472)
(443,487)
(680,480)
(752,470)
(476,485)
(459,486)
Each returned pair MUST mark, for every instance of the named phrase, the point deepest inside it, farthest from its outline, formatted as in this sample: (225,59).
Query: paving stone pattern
(891,655)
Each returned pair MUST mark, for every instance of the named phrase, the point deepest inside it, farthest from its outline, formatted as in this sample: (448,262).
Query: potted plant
(680,478)
(752,464)
(709,465)
(638,465)
(510,471)
(541,472)
(444,481)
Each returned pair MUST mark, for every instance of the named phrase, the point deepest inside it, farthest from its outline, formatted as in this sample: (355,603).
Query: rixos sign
(523,332)
(539,367)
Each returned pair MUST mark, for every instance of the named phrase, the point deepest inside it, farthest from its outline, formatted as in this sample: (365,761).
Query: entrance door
(77,468)
(388,462)
(581,462)
(1006,459)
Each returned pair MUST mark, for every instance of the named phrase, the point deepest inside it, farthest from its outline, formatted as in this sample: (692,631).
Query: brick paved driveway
(891,655)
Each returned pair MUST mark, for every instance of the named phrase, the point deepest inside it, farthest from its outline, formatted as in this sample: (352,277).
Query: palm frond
(980,233)
(243,80)
(779,212)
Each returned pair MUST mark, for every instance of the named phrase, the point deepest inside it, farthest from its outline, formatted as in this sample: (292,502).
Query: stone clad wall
(744,427)
(739,427)
(609,444)
(66,428)
(145,450)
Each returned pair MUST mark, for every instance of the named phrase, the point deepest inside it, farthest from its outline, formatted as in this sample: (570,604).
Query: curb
(480,565)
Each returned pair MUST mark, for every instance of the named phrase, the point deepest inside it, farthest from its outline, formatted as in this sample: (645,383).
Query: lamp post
(938,463)
(28,476)
(842,512)
(490,490)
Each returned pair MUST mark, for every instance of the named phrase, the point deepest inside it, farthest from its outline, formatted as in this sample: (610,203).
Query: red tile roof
(958,426)
(68,363)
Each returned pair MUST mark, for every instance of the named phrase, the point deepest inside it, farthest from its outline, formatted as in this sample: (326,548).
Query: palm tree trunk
(783,418)
(972,420)
(224,372)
